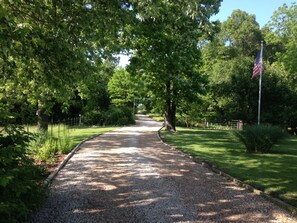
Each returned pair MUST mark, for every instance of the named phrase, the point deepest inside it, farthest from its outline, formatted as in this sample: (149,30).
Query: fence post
(239,124)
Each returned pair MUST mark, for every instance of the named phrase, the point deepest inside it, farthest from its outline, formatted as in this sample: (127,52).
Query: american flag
(257,66)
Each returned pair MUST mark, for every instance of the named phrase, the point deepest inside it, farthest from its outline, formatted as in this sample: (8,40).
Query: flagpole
(260,83)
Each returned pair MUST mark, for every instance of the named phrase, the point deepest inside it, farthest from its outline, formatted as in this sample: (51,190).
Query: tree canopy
(166,54)
(64,53)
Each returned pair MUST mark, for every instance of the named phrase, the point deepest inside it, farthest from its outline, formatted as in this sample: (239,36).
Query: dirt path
(128,175)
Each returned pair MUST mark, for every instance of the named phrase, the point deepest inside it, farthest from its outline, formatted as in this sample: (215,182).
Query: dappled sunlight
(275,171)
(130,173)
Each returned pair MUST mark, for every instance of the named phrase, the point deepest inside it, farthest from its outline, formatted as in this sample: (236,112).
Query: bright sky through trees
(263,9)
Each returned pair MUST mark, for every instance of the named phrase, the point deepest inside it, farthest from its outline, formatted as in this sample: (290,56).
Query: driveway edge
(208,165)
(50,178)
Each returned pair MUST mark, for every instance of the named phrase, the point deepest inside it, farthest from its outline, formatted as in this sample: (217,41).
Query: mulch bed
(51,165)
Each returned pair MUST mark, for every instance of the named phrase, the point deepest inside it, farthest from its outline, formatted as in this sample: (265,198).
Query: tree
(124,88)
(242,32)
(166,55)
(93,89)
(229,66)
(233,94)
(283,31)
(53,45)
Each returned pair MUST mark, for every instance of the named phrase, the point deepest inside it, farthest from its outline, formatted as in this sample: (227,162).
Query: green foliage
(94,117)
(115,115)
(49,47)
(45,145)
(165,39)
(242,32)
(231,94)
(259,139)
(120,116)
(41,146)
(124,88)
(283,33)
(93,89)
(20,179)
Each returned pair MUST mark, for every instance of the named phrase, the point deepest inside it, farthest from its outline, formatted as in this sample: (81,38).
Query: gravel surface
(128,175)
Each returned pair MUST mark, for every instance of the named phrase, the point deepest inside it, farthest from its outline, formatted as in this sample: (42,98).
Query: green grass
(156,117)
(75,133)
(275,173)
(81,133)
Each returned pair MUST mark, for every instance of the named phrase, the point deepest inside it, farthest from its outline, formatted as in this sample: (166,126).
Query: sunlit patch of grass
(156,117)
(275,172)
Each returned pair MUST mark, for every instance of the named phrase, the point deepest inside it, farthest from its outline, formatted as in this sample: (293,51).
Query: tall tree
(284,31)
(242,32)
(165,41)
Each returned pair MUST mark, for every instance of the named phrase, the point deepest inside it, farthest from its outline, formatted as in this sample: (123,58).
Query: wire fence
(54,126)
(233,124)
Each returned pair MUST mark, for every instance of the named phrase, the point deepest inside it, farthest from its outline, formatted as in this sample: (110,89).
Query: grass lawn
(81,133)
(275,173)
(156,117)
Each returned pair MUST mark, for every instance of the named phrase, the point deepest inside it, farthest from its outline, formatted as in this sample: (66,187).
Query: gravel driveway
(128,175)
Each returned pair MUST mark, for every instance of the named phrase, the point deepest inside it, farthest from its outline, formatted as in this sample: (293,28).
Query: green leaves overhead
(48,47)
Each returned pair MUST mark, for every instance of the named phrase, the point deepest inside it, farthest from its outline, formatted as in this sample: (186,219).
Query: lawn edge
(290,208)
(50,178)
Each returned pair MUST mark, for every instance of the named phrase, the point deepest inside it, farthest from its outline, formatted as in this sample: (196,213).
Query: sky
(263,9)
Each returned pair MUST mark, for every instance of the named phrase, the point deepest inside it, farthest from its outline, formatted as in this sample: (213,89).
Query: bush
(113,116)
(94,118)
(120,116)
(259,139)
(45,145)
(20,180)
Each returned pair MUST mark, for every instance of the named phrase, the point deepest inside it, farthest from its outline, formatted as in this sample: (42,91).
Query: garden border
(208,165)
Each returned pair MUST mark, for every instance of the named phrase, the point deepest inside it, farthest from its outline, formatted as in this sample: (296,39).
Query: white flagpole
(260,83)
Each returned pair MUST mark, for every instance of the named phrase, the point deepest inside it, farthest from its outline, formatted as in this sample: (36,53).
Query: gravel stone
(128,175)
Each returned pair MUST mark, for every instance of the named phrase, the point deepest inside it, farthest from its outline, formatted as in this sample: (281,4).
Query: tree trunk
(170,119)
(42,119)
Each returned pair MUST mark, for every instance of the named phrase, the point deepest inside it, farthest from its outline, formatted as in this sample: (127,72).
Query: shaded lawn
(274,173)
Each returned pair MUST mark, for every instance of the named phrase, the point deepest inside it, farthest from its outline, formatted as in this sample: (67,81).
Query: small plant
(46,145)
(259,139)
(64,142)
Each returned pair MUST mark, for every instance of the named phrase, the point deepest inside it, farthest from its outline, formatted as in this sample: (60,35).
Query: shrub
(20,179)
(259,139)
(94,117)
(45,145)
(116,115)
(120,116)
